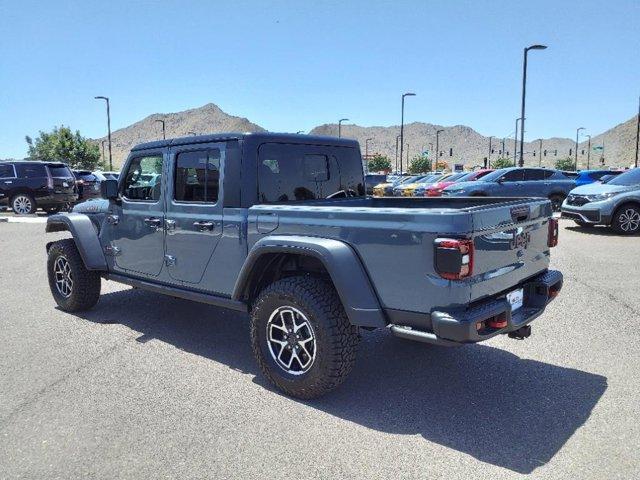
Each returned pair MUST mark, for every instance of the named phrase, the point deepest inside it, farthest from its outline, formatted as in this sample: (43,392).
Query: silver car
(615,203)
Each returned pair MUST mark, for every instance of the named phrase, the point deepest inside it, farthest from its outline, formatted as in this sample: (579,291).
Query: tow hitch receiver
(521,333)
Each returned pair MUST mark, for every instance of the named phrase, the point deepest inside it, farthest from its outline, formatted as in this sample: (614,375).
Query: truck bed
(395,239)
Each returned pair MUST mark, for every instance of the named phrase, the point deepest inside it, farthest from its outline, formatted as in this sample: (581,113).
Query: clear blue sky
(291,65)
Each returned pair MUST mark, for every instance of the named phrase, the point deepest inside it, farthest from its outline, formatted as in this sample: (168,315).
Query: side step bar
(179,292)
(409,333)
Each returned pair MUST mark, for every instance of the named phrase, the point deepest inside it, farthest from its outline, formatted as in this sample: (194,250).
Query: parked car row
(27,185)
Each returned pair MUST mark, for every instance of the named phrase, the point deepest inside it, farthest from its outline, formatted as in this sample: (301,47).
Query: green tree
(502,163)
(61,144)
(420,164)
(379,163)
(565,163)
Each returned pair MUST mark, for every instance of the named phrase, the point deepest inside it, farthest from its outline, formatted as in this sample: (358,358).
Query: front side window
(143,179)
(197,176)
(6,171)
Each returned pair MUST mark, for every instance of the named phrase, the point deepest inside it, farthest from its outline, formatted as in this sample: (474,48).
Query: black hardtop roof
(260,137)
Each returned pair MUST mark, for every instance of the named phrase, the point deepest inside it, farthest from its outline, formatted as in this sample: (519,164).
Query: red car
(435,190)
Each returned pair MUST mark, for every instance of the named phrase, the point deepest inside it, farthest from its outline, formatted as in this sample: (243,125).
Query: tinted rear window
(290,173)
(59,171)
(34,170)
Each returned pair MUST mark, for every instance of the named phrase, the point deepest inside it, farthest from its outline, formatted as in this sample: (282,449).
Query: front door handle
(153,222)
(203,226)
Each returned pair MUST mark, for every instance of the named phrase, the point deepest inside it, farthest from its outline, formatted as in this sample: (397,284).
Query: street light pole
(438,132)
(524,93)
(503,152)
(106,99)
(340,126)
(104,159)
(515,145)
(489,158)
(366,148)
(164,136)
(397,138)
(577,133)
(540,154)
(408,94)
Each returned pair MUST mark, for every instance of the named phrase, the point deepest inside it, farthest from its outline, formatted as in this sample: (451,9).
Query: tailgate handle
(520,214)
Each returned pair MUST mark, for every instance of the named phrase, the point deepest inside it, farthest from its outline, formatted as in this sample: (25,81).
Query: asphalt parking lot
(147,386)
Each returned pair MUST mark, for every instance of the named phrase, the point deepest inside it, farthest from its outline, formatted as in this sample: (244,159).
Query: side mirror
(109,189)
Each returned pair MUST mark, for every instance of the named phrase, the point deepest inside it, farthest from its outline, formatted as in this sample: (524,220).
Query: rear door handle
(203,226)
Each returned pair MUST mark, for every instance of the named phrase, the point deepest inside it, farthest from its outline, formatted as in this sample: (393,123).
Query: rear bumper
(57,199)
(470,325)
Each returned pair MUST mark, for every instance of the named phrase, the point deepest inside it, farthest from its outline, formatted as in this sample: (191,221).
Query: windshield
(627,179)
(456,177)
(493,176)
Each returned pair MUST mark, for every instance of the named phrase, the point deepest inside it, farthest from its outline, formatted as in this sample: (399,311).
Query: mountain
(465,145)
(462,144)
(207,119)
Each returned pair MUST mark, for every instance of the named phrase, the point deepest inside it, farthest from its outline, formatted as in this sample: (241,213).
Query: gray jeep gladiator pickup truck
(279,226)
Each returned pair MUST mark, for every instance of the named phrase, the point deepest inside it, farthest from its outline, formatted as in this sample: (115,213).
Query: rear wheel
(626,220)
(74,288)
(23,204)
(301,336)
(556,202)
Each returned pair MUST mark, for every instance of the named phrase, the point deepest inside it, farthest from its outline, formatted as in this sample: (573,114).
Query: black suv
(88,184)
(27,185)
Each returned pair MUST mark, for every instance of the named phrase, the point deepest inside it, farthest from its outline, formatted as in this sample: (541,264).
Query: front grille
(577,200)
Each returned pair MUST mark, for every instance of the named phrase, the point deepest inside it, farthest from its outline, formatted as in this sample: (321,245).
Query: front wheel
(626,220)
(74,288)
(301,336)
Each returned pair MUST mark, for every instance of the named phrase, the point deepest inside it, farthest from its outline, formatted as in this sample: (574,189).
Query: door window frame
(222,147)
(125,171)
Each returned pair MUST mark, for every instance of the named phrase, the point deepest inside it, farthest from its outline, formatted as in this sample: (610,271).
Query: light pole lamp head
(100,97)
(580,128)
(343,120)
(537,47)
(439,131)
(408,94)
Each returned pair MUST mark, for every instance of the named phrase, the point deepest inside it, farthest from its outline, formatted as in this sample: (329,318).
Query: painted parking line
(18,219)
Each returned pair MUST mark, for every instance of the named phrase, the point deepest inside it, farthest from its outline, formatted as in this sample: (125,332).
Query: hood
(600,188)
(99,205)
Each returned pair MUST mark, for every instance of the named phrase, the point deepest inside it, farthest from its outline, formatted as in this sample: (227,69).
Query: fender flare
(84,234)
(347,273)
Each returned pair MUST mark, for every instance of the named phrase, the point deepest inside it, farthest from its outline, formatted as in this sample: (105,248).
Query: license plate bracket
(516,299)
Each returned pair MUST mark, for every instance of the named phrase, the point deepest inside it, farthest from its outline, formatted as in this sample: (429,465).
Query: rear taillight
(454,258)
(554,231)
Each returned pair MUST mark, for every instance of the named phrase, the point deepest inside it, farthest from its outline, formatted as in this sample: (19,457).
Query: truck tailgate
(511,245)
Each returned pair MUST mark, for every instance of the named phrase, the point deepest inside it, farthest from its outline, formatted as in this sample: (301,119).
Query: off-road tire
(85,291)
(336,339)
(619,221)
(32,202)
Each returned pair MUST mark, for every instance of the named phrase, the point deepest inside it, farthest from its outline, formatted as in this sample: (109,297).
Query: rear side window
(7,171)
(197,177)
(290,173)
(36,170)
(534,174)
(59,171)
